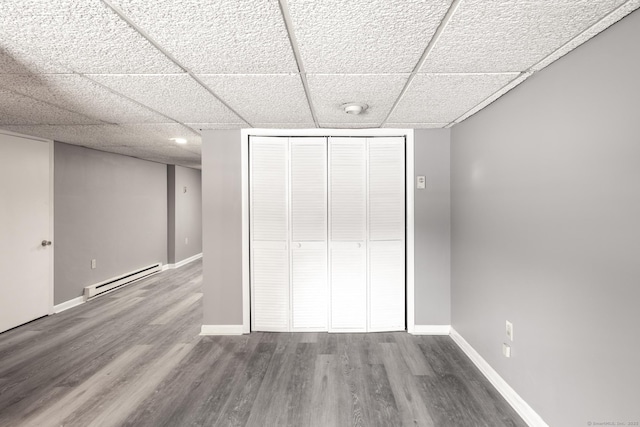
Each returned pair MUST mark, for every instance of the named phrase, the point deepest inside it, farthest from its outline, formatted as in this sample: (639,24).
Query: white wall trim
(52,248)
(182,263)
(375,132)
(519,405)
(431,330)
(68,304)
(222,330)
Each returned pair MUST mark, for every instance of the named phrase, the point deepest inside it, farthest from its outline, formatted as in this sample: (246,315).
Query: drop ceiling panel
(364,36)
(85,36)
(330,91)
(207,126)
(264,98)
(441,98)
(16,109)
(510,35)
(216,37)
(176,95)
(14,62)
(415,125)
(74,92)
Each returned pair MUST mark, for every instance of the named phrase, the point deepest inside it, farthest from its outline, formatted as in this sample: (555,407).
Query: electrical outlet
(186,240)
(506,350)
(510,330)
(94,264)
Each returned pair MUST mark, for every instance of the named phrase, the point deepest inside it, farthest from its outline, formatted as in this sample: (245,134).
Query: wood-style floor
(134,357)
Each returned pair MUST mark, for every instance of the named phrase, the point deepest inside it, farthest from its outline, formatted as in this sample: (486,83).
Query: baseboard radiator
(119,281)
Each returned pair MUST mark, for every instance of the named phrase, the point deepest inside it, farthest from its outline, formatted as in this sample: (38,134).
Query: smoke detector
(354,108)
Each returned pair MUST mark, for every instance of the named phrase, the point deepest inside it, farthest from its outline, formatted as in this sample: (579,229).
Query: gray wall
(432,228)
(184,212)
(109,207)
(222,227)
(546,232)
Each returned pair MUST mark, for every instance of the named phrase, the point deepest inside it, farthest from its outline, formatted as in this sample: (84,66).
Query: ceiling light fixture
(179,140)
(354,108)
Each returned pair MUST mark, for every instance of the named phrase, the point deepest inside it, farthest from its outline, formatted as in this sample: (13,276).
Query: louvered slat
(308,189)
(386,189)
(347,193)
(348,287)
(309,285)
(386,286)
(270,281)
(269,192)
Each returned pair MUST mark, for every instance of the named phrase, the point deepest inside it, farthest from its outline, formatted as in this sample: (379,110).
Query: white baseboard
(68,304)
(431,330)
(221,330)
(181,263)
(519,405)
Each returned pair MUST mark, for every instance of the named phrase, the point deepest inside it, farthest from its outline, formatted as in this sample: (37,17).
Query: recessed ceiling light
(354,108)
(179,140)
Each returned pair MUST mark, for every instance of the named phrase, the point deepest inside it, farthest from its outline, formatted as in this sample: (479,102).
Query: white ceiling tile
(216,37)
(595,29)
(176,95)
(440,98)
(349,125)
(510,35)
(13,63)
(310,125)
(364,36)
(207,126)
(86,36)
(264,98)
(330,91)
(74,92)
(16,109)
(415,125)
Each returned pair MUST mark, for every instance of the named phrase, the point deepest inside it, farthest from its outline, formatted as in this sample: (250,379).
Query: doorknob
(46,243)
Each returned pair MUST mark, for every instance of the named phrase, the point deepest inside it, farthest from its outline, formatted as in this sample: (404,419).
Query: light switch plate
(421,182)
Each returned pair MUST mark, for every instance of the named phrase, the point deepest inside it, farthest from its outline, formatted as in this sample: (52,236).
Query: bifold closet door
(348,234)
(308,164)
(386,243)
(269,230)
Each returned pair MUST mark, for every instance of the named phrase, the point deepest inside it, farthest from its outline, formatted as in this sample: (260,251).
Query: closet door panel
(387,286)
(348,277)
(269,189)
(386,189)
(270,283)
(348,189)
(309,285)
(308,189)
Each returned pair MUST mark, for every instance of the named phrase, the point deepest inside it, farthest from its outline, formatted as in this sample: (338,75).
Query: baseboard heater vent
(116,282)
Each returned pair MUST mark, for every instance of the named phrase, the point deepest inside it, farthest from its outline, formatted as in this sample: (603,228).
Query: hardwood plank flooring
(134,358)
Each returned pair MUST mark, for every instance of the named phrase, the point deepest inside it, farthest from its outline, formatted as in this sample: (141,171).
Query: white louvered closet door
(309,292)
(269,230)
(348,234)
(386,244)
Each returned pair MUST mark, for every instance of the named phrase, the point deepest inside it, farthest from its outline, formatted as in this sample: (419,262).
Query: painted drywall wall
(546,232)
(432,214)
(184,203)
(222,227)
(108,207)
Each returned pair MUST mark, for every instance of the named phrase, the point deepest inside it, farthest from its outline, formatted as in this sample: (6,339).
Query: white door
(348,234)
(309,293)
(269,231)
(25,223)
(386,243)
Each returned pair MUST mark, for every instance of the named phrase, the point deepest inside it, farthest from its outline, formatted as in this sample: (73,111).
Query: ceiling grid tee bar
(425,54)
(286,16)
(155,44)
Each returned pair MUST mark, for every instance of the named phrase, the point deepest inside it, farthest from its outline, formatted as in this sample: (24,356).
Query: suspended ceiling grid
(126,76)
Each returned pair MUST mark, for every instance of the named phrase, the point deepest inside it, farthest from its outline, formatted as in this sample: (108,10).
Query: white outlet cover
(506,350)
(509,330)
